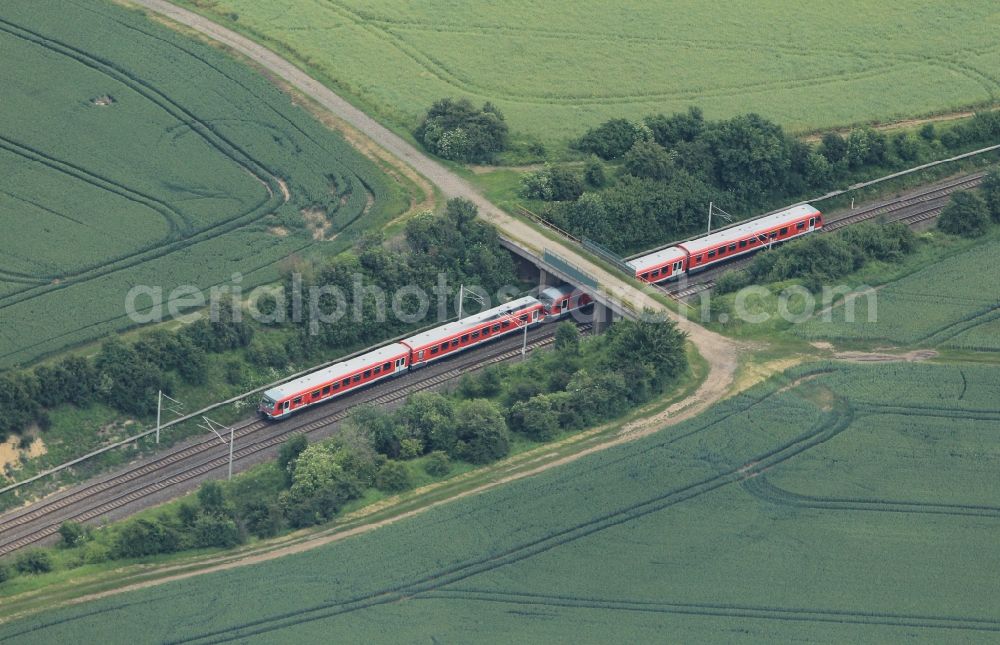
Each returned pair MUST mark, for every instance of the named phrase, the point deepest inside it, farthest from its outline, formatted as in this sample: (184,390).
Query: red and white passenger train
(714,248)
(551,304)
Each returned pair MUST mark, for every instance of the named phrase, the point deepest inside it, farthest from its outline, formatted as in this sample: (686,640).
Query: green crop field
(838,504)
(555,68)
(131,155)
(953,303)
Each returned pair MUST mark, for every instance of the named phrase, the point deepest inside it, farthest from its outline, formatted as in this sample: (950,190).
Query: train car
(751,236)
(711,249)
(560,301)
(334,381)
(662,265)
(446,340)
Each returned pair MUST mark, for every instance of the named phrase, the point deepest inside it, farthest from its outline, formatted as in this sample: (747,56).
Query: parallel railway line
(186,464)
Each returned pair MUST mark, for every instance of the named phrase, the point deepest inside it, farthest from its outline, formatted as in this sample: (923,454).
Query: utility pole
(210,425)
(461,299)
(713,208)
(524,344)
(175,408)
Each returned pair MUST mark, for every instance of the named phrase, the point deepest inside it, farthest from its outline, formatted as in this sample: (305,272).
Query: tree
(431,416)
(33,561)
(751,155)
(455,129)
(212,498)
(991,193)
(19,402)
(654,340)
(593,174)
(536,418)
(966,214)
(671,130)
(481,431)
(567,338)
(612,139)
(393,477)
(289,452)
(833,147)
(649,160)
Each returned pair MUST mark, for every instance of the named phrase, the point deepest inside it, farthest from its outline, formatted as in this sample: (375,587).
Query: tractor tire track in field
(176,221)
(382,28)
(763,489)
(830,426)
(722,610)
(203,129)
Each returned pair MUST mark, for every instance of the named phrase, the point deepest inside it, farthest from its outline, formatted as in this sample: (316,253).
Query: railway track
(190,462)
(911,209)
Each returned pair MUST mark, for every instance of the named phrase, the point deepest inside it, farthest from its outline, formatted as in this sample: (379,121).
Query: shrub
(72,534)
(966,214)
(33,561)
(551,183)
(991,193)
(6,573)
(593,174)
(144,537)
(438,464)
(612,139)
(211,529)
(456,130)
(393,477)
(649,160)
(481,431)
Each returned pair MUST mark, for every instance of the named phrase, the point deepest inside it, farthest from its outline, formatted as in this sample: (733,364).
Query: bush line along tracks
(185,463)
(912,209)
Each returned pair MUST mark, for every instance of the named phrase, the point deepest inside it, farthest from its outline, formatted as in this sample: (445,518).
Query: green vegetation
(952,302)
(132,155)
(456,130)
(716,527)
(578,385)
(83,403)
(818,260)
(966,214)
(556,69)
(672,166)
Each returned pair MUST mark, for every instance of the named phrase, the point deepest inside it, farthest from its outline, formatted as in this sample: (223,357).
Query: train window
(315,394)
(368,373)
(387,366)
(743,244)
(434,350)
(377,370)
(784,230)
(336,386)
(486,331)
(444,347)
(654,272)
(800,225)
(773,235)
(523,317)
(465,338)
(475,334)
(297,400)
(496,327)
(732,247)
(346,382)
(356,378)
(534,315)
(645,276)
(698,259)
(812,221)
(326,390)
(454,342)
(505,323)
(711,254)
(678,265)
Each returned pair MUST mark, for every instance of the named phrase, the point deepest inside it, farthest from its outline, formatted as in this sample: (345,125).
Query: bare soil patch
(914,356)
